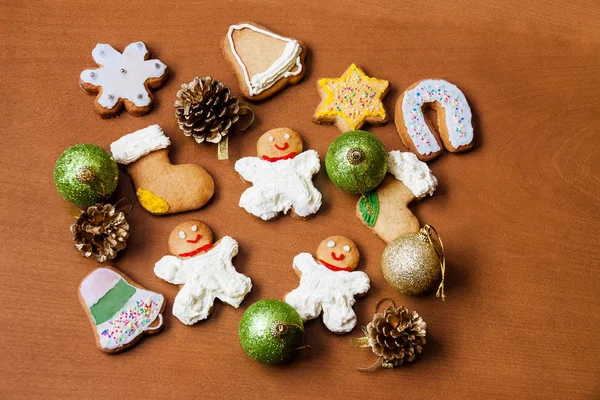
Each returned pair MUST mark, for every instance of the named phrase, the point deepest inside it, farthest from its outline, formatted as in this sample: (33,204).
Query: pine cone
(100,231)
(396,335)
(206,110)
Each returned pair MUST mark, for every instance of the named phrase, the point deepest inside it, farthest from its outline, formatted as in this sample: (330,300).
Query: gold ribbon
(428,228)
(223,149)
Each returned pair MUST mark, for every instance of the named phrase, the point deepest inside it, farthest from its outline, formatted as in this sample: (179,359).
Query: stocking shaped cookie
(121,312)
(161,188)
(263,61)
(453,116)
(282,177)
(123,80)
(329,284)
(204,270)
(385,210)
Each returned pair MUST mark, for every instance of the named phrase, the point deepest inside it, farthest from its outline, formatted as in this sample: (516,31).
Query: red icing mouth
(286,157)
(200,249)
(333,267)
(285,146)
(337,258)
(198,236)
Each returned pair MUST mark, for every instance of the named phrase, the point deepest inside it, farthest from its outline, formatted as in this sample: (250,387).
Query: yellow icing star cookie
(351,100)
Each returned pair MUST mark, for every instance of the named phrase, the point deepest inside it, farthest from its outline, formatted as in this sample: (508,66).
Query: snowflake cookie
(123,79)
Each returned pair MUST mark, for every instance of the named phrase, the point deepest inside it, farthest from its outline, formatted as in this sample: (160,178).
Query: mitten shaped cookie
(453,117)
(329,284)
(204,270)
(123,80)
(282,177)
(385,210)
(264,62)
(121,311)
(161,188)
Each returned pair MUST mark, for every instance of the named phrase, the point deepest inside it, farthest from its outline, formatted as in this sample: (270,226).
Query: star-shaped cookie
(351,100)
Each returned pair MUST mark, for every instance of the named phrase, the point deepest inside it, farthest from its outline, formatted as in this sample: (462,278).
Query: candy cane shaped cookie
(453,114)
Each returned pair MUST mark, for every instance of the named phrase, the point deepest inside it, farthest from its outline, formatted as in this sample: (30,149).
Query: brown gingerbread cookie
(123,79)
(263,61)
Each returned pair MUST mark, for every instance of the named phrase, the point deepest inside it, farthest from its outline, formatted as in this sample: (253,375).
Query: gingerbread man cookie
(123,79)
(351,100)
(205,271)
(120,311)
(385,210)
(453,116)
(282,177)
(329,284)
(264,62)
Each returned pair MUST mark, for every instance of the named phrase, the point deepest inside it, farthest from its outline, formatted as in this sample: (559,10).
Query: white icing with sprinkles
(458,115)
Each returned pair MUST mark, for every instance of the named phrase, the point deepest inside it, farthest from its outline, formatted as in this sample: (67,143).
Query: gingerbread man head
(190,238)
(338,253)
(279,144)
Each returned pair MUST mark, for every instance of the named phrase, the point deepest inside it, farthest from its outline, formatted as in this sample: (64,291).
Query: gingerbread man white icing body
(204,276)
(328,288)
(280,181)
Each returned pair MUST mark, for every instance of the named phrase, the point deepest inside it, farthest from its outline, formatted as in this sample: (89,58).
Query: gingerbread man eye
(331,243)
(346,248)
(194,228)
(182,234)
(271,138)
(287,136)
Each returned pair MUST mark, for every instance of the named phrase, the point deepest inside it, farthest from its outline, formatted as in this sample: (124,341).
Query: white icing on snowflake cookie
(453,115)
(123,79)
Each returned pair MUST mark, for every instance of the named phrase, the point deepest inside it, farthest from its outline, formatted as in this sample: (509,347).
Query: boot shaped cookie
(263,61)
(161,188)
(282,177)
(121,312)
(385,211)
(204,270)
(329,284)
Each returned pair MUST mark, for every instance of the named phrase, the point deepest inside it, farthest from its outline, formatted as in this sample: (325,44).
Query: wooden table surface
(517,214)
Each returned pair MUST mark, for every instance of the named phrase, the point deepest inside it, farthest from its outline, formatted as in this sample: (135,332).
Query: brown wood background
(518,214)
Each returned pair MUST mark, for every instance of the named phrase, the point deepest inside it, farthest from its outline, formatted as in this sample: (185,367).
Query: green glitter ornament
(86,174)
(270,331)
(356,162)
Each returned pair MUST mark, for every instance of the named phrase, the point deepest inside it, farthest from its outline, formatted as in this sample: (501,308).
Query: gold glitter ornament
(414,263)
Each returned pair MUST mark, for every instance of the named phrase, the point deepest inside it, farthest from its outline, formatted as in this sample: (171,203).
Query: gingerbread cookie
(123,80)
(121,311)
(329,284)
(263,61)
(161,188)
(205,271)
(385,210)
(351,100)
(453,117)
(282,177)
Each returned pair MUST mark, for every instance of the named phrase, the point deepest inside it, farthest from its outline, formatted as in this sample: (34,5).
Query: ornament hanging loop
(441,256)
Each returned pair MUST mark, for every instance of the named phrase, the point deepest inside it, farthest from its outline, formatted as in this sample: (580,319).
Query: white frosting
(131,147)
(280,185)
(412,172)
(142,322)
(204,277)
(123,76)
(281,68)
(331,292)
(458,115)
